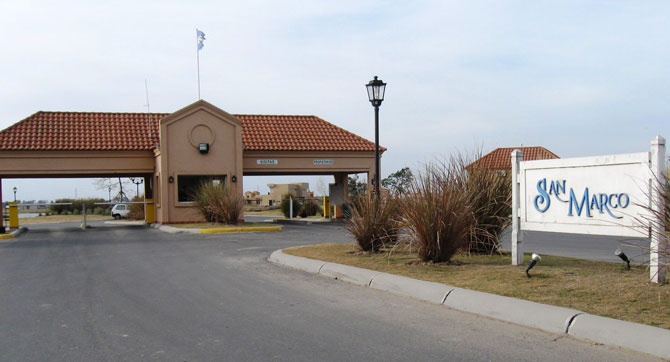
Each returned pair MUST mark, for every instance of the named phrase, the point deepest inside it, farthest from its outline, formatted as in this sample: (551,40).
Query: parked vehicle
(120,211)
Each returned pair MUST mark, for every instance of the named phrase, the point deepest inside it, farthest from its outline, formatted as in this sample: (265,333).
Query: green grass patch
(599,288)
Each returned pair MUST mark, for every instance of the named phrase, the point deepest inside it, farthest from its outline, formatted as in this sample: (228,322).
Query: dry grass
(373,222)
(212,225)
(600,288)
(60,218)
(275,212)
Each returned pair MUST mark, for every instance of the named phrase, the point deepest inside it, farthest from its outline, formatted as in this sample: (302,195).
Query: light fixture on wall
(618,252)
(533,260)
(170,179)
(203,147)
(234,178)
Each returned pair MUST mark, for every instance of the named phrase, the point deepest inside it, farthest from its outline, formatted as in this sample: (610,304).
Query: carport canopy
(162,146)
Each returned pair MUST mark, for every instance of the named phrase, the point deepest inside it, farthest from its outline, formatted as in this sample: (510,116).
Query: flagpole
(197,52)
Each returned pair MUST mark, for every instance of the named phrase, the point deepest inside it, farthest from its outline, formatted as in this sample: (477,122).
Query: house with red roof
(174,152)
(500,158)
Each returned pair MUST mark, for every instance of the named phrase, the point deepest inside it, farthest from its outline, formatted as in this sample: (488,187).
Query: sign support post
(657,262)
(517,234)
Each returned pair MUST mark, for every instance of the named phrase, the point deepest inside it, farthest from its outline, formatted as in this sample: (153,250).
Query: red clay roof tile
(90,131)
(501,158)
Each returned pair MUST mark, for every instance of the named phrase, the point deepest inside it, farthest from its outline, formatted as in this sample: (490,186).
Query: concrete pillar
(659,241)
(339,193)
(371,178)
(2,219)
(149,206)
(517,234)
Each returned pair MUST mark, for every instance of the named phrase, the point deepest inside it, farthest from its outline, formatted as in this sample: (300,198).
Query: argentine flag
(201,38)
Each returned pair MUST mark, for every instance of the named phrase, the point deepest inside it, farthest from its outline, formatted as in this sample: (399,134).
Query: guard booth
(173,152)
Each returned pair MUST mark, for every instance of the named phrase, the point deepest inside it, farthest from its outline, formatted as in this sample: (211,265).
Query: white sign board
(267,162)
(616,195)
(604,195)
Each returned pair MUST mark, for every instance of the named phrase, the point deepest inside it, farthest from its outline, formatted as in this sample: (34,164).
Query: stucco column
(2,219)
(339,194)
(371,178)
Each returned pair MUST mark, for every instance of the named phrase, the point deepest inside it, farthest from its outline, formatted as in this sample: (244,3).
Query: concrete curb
(349,274)
(126,222)
(304,221)
(240,230)
(296,262)
(14,234)
(541,316)
(638,337)
(175,230)
(427,291)
(613,332)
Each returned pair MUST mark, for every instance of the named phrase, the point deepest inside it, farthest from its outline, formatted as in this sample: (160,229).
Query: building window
(188,185)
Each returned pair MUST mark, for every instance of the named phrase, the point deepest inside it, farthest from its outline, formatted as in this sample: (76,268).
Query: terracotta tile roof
(74,131)
(500,158)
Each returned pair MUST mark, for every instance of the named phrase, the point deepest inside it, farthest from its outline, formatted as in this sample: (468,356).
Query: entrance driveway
(138,294)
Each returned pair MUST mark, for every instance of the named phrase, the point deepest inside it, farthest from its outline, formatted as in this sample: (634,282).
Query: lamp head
(533,260)
(376,89)
(618,252)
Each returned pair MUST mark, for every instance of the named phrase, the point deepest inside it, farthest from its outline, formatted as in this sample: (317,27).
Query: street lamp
(15,193)
(137,182)
(376,89)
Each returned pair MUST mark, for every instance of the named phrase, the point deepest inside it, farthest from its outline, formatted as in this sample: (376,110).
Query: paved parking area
(120,293)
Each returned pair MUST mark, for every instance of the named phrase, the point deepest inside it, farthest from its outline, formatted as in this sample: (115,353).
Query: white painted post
(659,241)
(290,207)
(517,234)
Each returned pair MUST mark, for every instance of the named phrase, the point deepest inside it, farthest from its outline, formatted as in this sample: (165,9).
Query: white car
(120,211)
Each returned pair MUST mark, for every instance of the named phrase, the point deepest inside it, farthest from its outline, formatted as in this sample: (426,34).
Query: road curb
(175,230)
(420,289)
(559,320)
(296,262)
(638,337)
(541,316)
(349,274)
(14,234)
(240,230)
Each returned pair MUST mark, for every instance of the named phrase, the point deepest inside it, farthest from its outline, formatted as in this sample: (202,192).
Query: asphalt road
(117,293)
(593,247)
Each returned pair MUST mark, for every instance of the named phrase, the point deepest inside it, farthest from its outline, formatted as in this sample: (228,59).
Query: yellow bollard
(13,214)
(326,206)
(149,211)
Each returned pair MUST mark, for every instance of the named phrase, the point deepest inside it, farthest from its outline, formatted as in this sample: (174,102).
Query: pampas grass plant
(374,222)
(219,203)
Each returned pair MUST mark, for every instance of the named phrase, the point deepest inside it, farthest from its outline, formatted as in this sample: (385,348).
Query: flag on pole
(201,38)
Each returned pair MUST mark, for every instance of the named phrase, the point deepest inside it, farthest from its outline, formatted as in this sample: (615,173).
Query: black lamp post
(15,193)
(137,182)
(376,89)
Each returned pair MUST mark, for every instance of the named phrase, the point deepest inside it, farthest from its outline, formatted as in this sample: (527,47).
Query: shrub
(77,204)
(309,208)
(437,212)
(373,223)
(489,194)
(136,211)
(219,203)
(285,206)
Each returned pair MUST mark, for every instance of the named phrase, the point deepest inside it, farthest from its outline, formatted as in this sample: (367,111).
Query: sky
(580,78)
